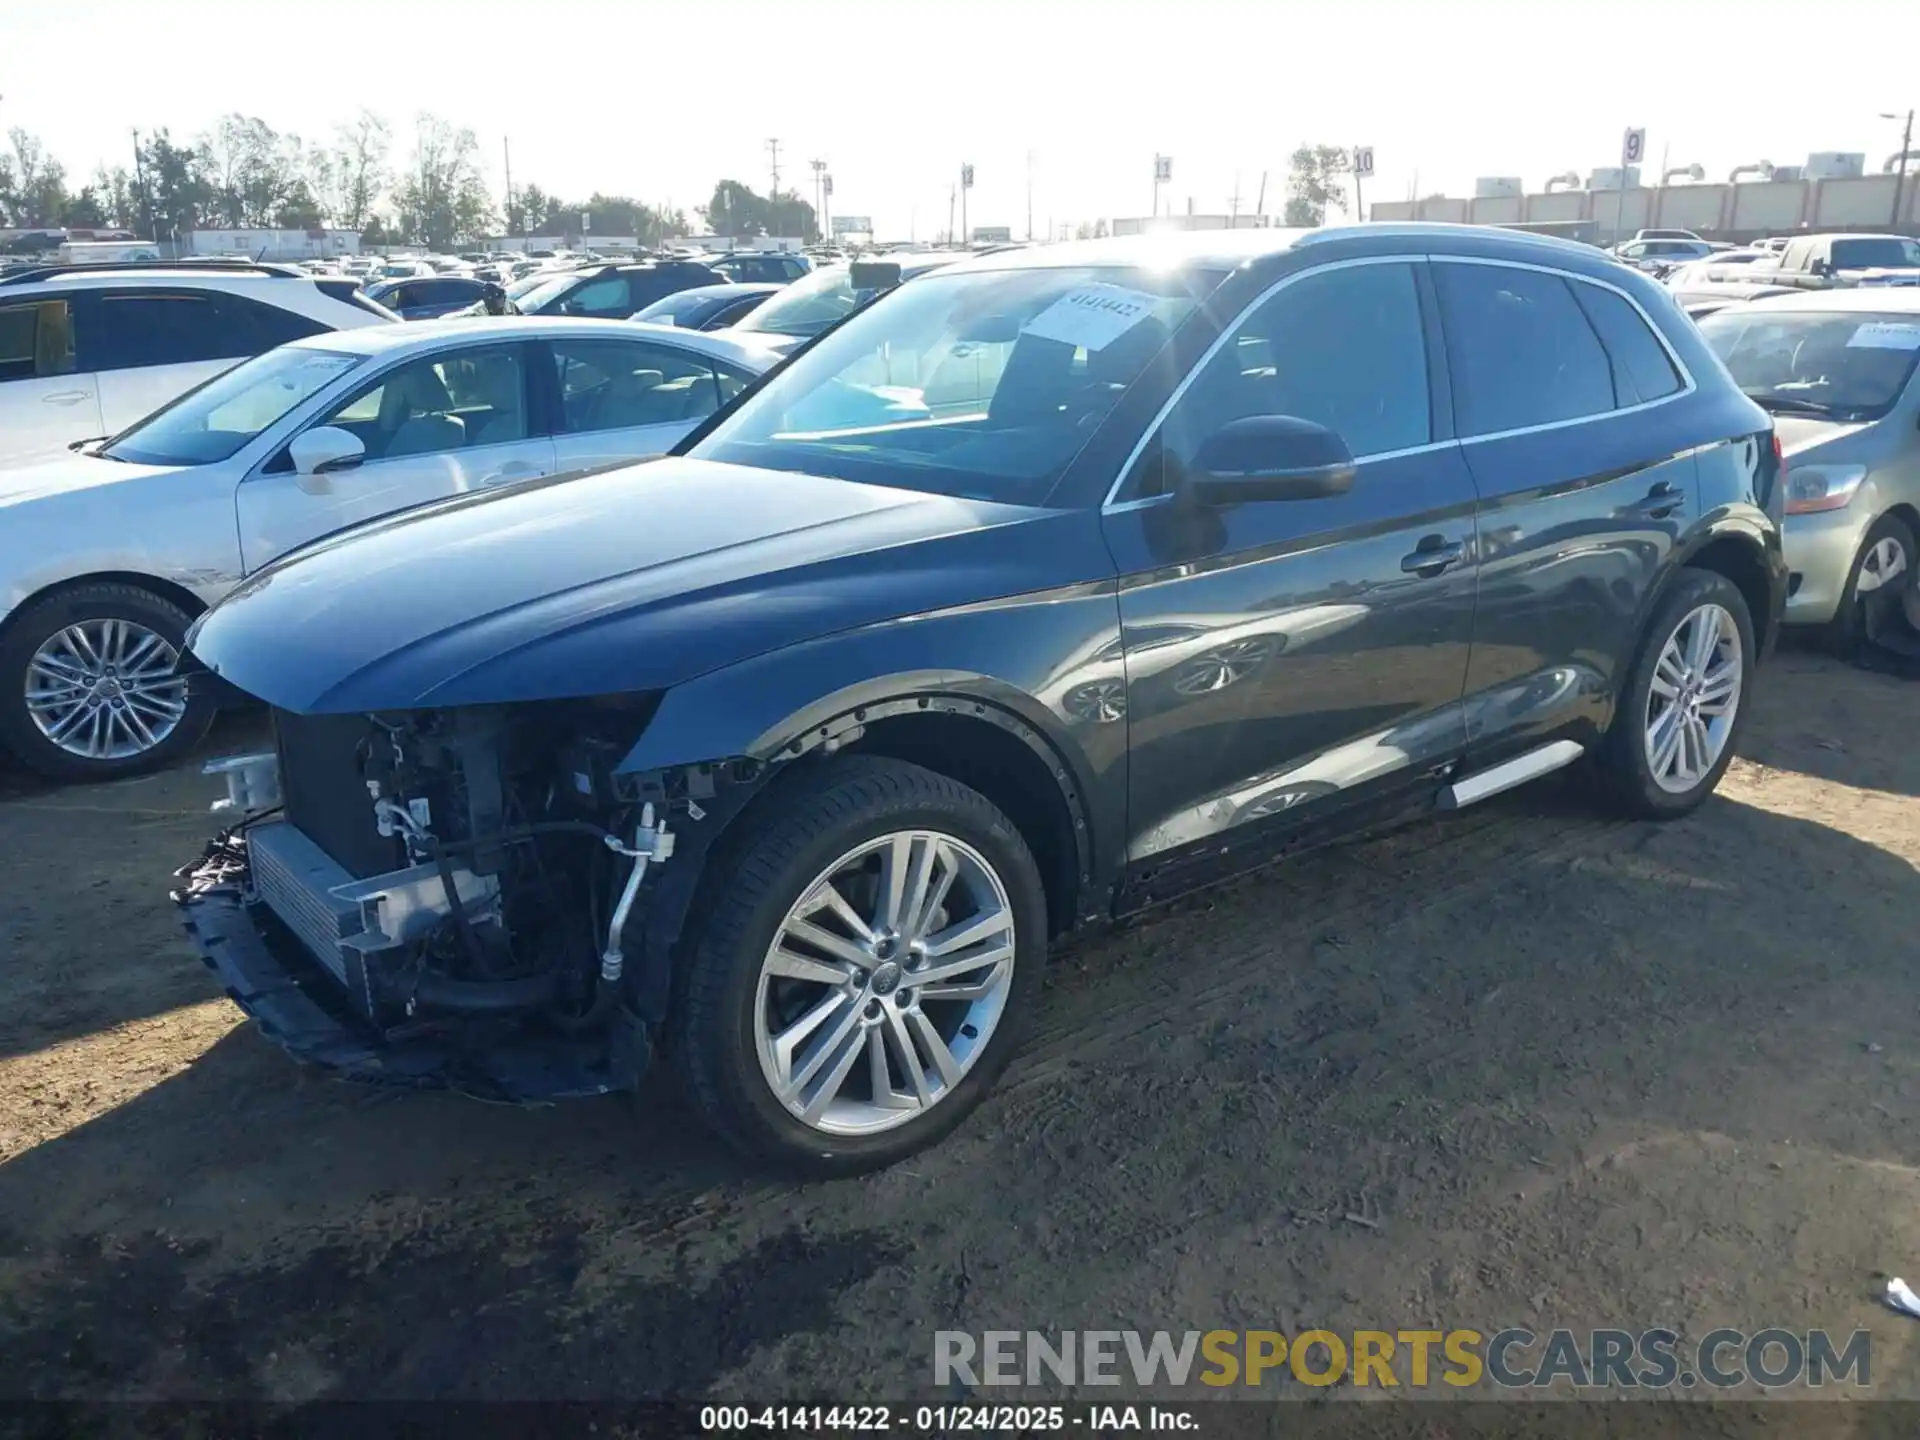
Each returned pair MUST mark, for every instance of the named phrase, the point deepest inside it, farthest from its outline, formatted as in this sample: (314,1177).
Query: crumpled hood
(621,581)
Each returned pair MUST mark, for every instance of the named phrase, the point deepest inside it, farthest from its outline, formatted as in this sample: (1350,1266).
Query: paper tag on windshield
(1092,316)
(1885,335)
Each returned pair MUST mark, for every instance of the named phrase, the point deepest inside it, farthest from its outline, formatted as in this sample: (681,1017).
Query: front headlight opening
(1814,488)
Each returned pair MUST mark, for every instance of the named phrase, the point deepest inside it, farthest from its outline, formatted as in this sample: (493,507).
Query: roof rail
(216,264)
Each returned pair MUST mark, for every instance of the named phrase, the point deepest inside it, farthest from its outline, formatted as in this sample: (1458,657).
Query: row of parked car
(145,473)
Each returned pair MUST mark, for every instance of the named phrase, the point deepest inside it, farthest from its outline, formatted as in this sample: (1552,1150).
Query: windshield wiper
(1788,404)
(78,445)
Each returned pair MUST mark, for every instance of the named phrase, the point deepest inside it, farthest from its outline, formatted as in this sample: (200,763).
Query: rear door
(46,400)
(150,346)
(1288,659)
(434,426)
(616,399)
(1564,397)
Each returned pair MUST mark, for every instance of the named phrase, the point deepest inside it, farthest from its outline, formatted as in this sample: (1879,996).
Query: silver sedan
(1837,370)
(107,555)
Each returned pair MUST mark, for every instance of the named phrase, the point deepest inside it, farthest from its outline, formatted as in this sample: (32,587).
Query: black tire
(33,626)
(1621,769)
(796,834)
(1842,633)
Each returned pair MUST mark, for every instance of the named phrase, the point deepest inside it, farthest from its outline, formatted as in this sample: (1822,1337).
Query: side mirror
(1269,457)
(1821,267)
(318,452)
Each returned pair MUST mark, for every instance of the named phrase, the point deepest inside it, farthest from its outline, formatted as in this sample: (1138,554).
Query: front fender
(1026,657)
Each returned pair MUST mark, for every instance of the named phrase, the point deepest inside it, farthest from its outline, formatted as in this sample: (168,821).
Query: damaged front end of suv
(452,897)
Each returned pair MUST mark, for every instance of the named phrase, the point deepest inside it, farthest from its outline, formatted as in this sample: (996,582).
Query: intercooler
(297,880)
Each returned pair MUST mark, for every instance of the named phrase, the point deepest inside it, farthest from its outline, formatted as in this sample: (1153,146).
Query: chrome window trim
(1109,506)
(1687,383)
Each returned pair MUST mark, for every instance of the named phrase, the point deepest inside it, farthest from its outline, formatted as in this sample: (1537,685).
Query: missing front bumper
(304,1010)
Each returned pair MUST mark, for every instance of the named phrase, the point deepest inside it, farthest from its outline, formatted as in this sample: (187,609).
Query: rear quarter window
(1520,348)
(1642,370)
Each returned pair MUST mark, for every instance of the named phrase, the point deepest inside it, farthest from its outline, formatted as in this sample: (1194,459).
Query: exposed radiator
(296,879)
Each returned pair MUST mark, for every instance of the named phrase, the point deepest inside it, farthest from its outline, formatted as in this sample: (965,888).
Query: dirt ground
(1564,1072)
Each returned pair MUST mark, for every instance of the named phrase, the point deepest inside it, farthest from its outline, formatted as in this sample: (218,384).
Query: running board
(1510,773)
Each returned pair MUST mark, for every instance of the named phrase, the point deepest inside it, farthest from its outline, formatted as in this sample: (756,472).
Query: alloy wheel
(884,983)
(106,689)
(1693,699)
(1886,560)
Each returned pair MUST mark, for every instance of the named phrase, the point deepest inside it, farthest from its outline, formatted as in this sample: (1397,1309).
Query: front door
(631,399)
(1285,659)
(1586,479)
(445,424)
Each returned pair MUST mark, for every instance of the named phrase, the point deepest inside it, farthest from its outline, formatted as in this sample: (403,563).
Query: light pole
(1900,175)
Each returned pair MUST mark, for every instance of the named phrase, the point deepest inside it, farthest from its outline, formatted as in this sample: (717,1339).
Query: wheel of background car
(1888,553)
(1681,707)
(90,689)
(870,956)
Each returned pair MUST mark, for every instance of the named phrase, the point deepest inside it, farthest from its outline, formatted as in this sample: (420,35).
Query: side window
(133,331)
(606,296)
(445,402)
(1521,349)
(1642,370)
(261,327)
(36,340)
(613,385)
(1344,348)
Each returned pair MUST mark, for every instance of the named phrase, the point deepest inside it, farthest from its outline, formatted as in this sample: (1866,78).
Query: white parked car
(106,555)
(86,350)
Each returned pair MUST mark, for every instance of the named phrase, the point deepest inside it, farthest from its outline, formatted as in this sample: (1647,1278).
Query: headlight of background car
(1822,487)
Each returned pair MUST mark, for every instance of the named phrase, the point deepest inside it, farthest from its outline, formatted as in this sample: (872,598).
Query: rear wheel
(873,954)
(1683,703)
(89,688)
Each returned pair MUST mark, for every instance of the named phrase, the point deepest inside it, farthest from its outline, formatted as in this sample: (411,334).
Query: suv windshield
(1851,365)
(809,305)
(983,384)
(212,422)
(1878,252)
(538,291)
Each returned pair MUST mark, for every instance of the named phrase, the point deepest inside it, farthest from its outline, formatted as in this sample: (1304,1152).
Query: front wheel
(90,687)
(1887,556)
(1683,702)
(871,956)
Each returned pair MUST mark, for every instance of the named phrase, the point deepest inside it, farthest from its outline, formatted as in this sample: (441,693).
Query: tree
(376,234)
(349,179)
(85,212)
(174,194)
(252,167)
(441,198)
(33,185)
(298,209)
(113,190)
(736,210)
(534,212)
(1316,179)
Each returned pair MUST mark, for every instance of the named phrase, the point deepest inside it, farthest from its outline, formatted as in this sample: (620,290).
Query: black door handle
(1659,502)
(1432,555)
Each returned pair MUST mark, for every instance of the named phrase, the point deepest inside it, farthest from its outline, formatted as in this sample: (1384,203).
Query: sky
(661,98)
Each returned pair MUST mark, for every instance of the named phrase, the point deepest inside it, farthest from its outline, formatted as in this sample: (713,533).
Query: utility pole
(773,161)
(1233,223)
(819,192)
(952,191)
(1900,175)
(1029,197)
(506,157)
